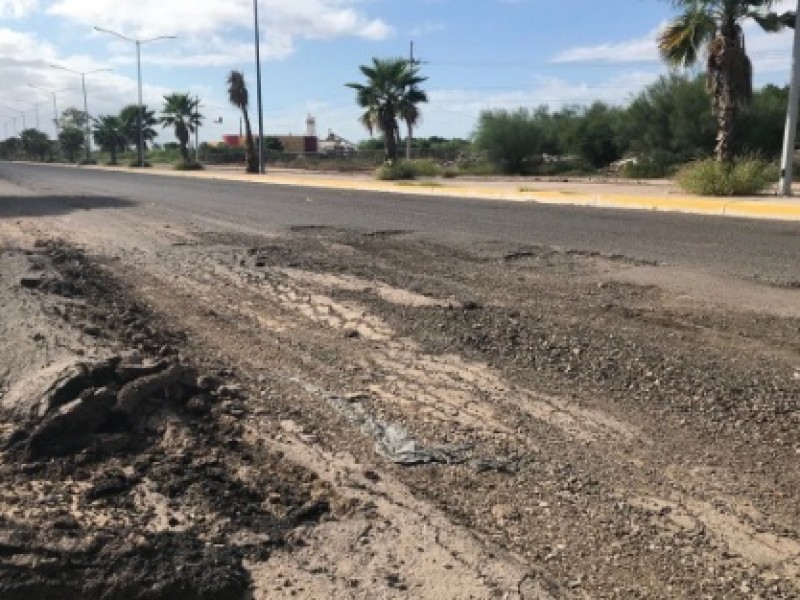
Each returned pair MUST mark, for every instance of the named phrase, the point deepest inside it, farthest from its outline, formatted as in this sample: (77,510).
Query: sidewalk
(659,195)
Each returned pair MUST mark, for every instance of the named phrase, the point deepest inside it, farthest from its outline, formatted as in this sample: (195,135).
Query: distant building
(303,144)
(234,141)
(298,144)
(336,145)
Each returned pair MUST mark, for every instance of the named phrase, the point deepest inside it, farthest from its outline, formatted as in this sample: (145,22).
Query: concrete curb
(753,208)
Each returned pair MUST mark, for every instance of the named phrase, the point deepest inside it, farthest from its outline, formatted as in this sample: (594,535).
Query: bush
(84,162)
(398,170)
(425,167)
(134,164)
(742,177)
(192,166)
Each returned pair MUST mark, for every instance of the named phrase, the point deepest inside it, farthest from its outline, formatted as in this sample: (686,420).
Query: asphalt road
(723,246)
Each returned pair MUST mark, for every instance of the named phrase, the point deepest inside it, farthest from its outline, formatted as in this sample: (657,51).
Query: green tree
(10,148)
(714,27)
(240,98)
(513,139)
(761,128)
(72,141)
(109,135)
(129,122)
(35,144)
(180,112)
(390,93)
(672,118)
(593,134)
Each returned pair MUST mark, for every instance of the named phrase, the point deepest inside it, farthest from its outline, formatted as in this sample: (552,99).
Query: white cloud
(770,52)
(16,9)
(641,49)
(207,29)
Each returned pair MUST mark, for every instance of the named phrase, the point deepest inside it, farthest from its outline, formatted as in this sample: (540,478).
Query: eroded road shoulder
(338,413)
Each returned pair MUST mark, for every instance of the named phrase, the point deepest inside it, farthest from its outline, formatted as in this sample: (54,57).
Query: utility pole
(787,157)
(411,62)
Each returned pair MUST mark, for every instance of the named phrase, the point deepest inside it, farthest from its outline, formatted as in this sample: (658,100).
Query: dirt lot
(190,411)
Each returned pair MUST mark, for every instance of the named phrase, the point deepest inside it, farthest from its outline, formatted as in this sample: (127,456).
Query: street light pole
(787,156)
(55,106)
(83,75)
(261,161)
(141,106)
(86,112)
(21,112)
(138,42)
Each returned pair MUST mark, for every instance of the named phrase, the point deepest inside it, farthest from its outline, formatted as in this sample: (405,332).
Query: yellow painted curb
(767,209)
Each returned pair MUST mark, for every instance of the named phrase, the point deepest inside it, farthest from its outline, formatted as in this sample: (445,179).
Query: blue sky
(477,54)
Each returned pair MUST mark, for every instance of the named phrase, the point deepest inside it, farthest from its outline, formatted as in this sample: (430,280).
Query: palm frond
(683,39)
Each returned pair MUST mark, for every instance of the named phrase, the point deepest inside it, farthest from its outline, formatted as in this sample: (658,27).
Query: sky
(476,54)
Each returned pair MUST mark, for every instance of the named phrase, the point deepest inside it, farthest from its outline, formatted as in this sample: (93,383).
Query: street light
(138,43)
(258,85)
(55,107)
(21,112)
(83,75)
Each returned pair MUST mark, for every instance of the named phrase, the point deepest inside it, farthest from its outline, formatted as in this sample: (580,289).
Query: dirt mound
(124,471)
(86,402)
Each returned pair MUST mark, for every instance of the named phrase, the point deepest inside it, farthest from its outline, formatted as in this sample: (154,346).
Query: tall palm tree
(239,97)
(715,27)
(409,112)
(389,94)
(180,112)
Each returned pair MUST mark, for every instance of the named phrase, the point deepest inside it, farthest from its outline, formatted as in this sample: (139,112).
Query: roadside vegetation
(741,177)
(669,129)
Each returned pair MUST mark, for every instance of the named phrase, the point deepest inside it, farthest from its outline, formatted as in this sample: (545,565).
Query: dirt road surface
(193,410)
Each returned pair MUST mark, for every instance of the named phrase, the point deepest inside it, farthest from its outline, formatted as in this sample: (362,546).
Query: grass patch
(419,184)
(396,171)
(450,173)
(741,177)
(134,164)
(647,169)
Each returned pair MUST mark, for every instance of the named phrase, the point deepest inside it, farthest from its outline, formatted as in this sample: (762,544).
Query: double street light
(83,75)
(138,44)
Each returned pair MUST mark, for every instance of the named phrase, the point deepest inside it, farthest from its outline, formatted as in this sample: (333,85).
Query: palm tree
(109,135)
(409,112)
(715,27)
(390,93)
(239,97)
(129,117)
(180,112)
